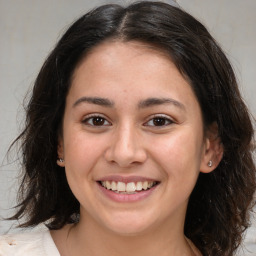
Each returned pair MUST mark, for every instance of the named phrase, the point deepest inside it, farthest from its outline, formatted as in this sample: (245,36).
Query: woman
(141,110)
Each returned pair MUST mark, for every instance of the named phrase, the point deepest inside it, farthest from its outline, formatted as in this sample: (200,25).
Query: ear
(60,152)
(213,150)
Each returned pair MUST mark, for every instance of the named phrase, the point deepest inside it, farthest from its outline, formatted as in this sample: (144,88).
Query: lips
(123,189)
(129,187)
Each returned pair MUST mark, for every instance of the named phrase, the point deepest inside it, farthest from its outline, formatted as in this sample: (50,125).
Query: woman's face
(133,140)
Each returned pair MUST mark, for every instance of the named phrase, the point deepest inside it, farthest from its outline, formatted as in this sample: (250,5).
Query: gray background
(30,28)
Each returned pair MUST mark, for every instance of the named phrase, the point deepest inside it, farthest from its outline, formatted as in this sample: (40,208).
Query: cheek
(179,153)
(82,151)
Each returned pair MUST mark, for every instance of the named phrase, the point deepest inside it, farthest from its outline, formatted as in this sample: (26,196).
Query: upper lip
(126,179)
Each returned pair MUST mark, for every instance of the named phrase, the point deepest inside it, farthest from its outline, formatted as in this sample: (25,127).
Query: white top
(39,243)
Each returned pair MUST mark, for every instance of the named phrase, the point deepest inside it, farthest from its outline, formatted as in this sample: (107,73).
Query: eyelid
(163,116)
(94,115)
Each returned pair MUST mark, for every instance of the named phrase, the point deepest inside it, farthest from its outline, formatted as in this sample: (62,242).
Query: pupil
(98,121)
(159,121)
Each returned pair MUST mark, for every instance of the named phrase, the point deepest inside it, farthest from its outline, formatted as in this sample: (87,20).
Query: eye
(96,121)
(159,121)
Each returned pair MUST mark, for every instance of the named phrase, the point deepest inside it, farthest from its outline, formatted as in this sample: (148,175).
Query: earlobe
(60,152)
(60,162)
(213,151)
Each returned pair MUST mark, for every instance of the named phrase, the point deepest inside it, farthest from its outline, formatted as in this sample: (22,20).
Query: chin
(127,225)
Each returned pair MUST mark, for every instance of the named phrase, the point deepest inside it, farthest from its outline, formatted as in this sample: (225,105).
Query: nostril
(125,149)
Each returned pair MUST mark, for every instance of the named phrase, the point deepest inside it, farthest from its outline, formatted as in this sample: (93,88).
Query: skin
(128,140)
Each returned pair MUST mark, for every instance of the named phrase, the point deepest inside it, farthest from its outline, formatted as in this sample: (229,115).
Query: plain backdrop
(30,28)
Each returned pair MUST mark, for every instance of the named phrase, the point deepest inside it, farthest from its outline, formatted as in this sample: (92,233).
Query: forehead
(106,50)
(141,69)
(116,56)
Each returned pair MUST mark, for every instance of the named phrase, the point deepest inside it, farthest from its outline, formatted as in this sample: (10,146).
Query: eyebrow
(94,100)
(150,102)
(160,101)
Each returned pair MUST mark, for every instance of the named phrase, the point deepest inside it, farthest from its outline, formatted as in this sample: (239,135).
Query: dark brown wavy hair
(219,206)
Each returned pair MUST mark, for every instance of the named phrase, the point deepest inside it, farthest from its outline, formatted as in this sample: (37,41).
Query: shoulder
(33,243)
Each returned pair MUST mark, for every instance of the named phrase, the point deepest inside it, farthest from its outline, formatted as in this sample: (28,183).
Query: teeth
(145,185)
(108,185)
(139,186)
(113,185)
(130,187)
(120,186)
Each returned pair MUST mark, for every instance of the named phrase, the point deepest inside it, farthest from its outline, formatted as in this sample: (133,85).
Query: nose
(125,148)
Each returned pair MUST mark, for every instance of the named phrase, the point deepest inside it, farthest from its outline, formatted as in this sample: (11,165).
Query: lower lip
(118,197)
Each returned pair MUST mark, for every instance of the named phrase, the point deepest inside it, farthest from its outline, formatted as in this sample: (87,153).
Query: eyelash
(91,118)
(162,119)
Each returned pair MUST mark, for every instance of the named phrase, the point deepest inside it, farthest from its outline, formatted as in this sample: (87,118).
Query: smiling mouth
(128,188)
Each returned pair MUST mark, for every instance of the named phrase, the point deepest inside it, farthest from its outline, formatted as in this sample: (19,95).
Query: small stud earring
(210,163)
(61,160)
